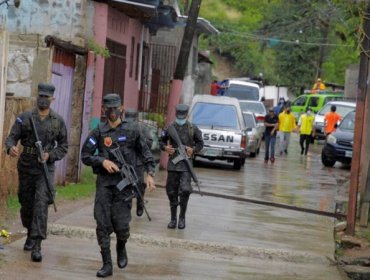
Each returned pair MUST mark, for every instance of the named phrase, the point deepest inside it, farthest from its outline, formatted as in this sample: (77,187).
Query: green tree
(291,42)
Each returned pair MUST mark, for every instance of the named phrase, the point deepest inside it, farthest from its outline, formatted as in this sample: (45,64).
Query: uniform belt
(30,150)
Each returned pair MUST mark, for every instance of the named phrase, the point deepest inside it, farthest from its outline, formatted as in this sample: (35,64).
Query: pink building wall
(112,24)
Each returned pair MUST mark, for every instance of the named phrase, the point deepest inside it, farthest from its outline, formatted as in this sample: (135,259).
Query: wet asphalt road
(223,239)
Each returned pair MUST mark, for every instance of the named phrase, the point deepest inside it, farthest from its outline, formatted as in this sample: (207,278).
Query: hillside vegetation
(290,42)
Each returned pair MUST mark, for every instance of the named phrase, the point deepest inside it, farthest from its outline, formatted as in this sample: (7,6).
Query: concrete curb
(199,246)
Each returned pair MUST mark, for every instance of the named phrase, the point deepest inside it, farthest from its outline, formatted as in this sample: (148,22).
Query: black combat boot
(181,224)
(121,253)
(28,245)
(173,222)
(36,251)
(139,207)
(107,269)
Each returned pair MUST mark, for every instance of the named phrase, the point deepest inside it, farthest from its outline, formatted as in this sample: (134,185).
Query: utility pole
(359,123)
(182,60)
(181,67)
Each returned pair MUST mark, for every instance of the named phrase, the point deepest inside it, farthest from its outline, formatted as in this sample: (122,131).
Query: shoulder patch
(18,120)
(92,141)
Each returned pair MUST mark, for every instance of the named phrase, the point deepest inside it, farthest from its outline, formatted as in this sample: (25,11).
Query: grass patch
(84,189)
(12,205)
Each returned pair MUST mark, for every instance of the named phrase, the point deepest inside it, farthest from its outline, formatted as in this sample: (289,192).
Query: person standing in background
(214,88)
(271,123)
(330,120)
(305,128)
(287,124)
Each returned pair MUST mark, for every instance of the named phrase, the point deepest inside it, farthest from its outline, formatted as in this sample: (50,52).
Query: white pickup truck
(224,133)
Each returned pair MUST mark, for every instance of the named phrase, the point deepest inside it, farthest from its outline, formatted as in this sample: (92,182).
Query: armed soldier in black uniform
(112,208)
(35,194)
(178,186)
(131,115)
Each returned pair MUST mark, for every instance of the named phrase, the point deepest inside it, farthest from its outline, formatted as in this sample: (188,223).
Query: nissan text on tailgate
(221,121)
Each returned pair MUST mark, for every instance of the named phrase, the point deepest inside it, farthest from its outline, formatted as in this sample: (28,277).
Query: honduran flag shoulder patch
(92,141)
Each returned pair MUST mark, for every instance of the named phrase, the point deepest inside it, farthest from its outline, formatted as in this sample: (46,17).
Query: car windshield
(243,92)
(341,109)
(253,107)
(249,120)
(348,122)
(215,115)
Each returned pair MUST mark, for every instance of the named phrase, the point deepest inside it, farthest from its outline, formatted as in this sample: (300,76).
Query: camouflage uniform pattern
(178,183)
(131,116)
(111,210)
(32,193)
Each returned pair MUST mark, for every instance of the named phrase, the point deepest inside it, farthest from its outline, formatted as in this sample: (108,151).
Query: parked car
(223,129)
(256,107)
(339,144)
(243,90)
(314,101)
(254,133)
(343,108)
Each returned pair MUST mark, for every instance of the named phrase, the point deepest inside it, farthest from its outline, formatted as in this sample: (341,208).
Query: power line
(272,39)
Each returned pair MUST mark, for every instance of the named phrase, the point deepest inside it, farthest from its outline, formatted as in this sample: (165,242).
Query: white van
(243,90)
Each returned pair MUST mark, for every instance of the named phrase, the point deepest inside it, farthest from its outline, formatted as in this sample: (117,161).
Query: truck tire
(237,164)
(326,161)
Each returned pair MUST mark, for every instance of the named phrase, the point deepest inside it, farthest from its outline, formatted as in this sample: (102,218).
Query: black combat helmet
(112,100)
(182,111)
(46,89)
(131,114)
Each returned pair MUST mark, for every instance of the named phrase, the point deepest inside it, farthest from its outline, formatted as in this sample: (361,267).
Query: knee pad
(123,235)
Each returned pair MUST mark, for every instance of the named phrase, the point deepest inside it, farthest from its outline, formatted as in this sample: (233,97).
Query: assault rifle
(45,170)
(129,176)
(182,155)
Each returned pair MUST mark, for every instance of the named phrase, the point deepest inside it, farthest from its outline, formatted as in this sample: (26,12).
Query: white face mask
(309,113)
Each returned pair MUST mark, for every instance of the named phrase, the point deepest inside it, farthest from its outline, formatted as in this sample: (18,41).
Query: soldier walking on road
(179,178)
(33,193)
(132,115)
(112,208)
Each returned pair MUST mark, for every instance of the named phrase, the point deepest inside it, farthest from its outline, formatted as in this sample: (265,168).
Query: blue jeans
(269,143)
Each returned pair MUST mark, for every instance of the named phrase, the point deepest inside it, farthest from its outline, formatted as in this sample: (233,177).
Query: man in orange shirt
(331,119)
(214,88)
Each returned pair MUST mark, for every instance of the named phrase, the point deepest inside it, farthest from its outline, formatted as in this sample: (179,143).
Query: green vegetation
(291,42)
(158,118)
(94,46)
(85,188)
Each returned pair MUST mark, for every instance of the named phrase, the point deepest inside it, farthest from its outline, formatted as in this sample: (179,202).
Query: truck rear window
(243,92)
(215,115)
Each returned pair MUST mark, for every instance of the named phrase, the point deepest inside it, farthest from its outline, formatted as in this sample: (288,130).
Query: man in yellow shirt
(305,127)
(287,124)
(319,85)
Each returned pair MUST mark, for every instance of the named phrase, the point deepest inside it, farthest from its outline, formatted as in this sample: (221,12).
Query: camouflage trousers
(112,213)
(34,199)
(178,185)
